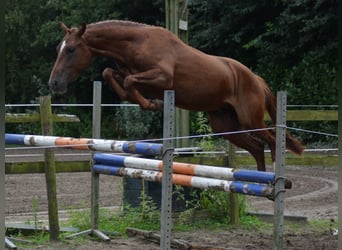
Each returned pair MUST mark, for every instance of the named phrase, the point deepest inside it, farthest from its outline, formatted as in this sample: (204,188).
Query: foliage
(323,225)
(298,39)
(222,28)
(146,216)
(31,42)
(133,123)
(200,126)
(306,36)
(218,204)
(292,44)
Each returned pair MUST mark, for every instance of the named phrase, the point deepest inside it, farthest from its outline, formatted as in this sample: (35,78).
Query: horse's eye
(70,50)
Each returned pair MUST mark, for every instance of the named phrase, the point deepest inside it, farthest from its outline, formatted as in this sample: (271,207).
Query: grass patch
(211,212)
(150,220)
(117,221)
(323,225)
(146,217)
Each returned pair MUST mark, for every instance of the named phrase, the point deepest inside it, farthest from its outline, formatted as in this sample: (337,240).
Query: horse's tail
(292,143)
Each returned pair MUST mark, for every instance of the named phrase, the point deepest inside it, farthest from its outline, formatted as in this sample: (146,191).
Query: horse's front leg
(116,80)
(153,78)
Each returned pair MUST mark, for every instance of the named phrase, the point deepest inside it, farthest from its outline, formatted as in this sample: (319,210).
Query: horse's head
(73,57)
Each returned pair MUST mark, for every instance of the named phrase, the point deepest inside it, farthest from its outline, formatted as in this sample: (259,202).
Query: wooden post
(2,149)
(182,115)
(95,177)
(176,19)
(233,197)
(96,133)
(339,176)
(50,169)
(171,11)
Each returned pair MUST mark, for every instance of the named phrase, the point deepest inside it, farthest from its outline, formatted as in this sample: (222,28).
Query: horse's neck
(111,42)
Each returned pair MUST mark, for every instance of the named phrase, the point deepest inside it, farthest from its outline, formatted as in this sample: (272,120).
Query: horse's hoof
(118,78)
(155,105)
(159,104)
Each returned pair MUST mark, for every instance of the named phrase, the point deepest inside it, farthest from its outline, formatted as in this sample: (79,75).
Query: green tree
(32,34)
(301,46)
(223,27)
(292,44)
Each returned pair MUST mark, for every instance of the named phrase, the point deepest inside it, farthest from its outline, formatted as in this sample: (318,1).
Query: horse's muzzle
(57,87)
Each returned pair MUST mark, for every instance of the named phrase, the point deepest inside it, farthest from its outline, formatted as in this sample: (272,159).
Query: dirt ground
(314,196)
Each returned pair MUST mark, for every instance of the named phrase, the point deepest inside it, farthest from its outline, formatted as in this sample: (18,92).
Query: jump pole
(85,144)
(232,186)
(186,168)
(280,166)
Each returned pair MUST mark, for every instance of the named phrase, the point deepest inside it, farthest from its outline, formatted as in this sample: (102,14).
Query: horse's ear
(82,29)
(64,27)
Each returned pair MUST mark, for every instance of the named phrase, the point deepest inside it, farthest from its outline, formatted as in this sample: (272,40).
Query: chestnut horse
(151,59)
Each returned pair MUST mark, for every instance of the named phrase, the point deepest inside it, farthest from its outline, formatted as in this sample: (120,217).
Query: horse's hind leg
(252,117)
(272,145)
(254,146)
(226,121)
(266,136)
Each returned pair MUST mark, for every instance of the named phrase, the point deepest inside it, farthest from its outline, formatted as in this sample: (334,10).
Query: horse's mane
(118,22)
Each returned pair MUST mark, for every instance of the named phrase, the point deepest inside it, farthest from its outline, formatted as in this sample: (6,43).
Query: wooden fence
(50,166)
(83,165)
(46,119)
